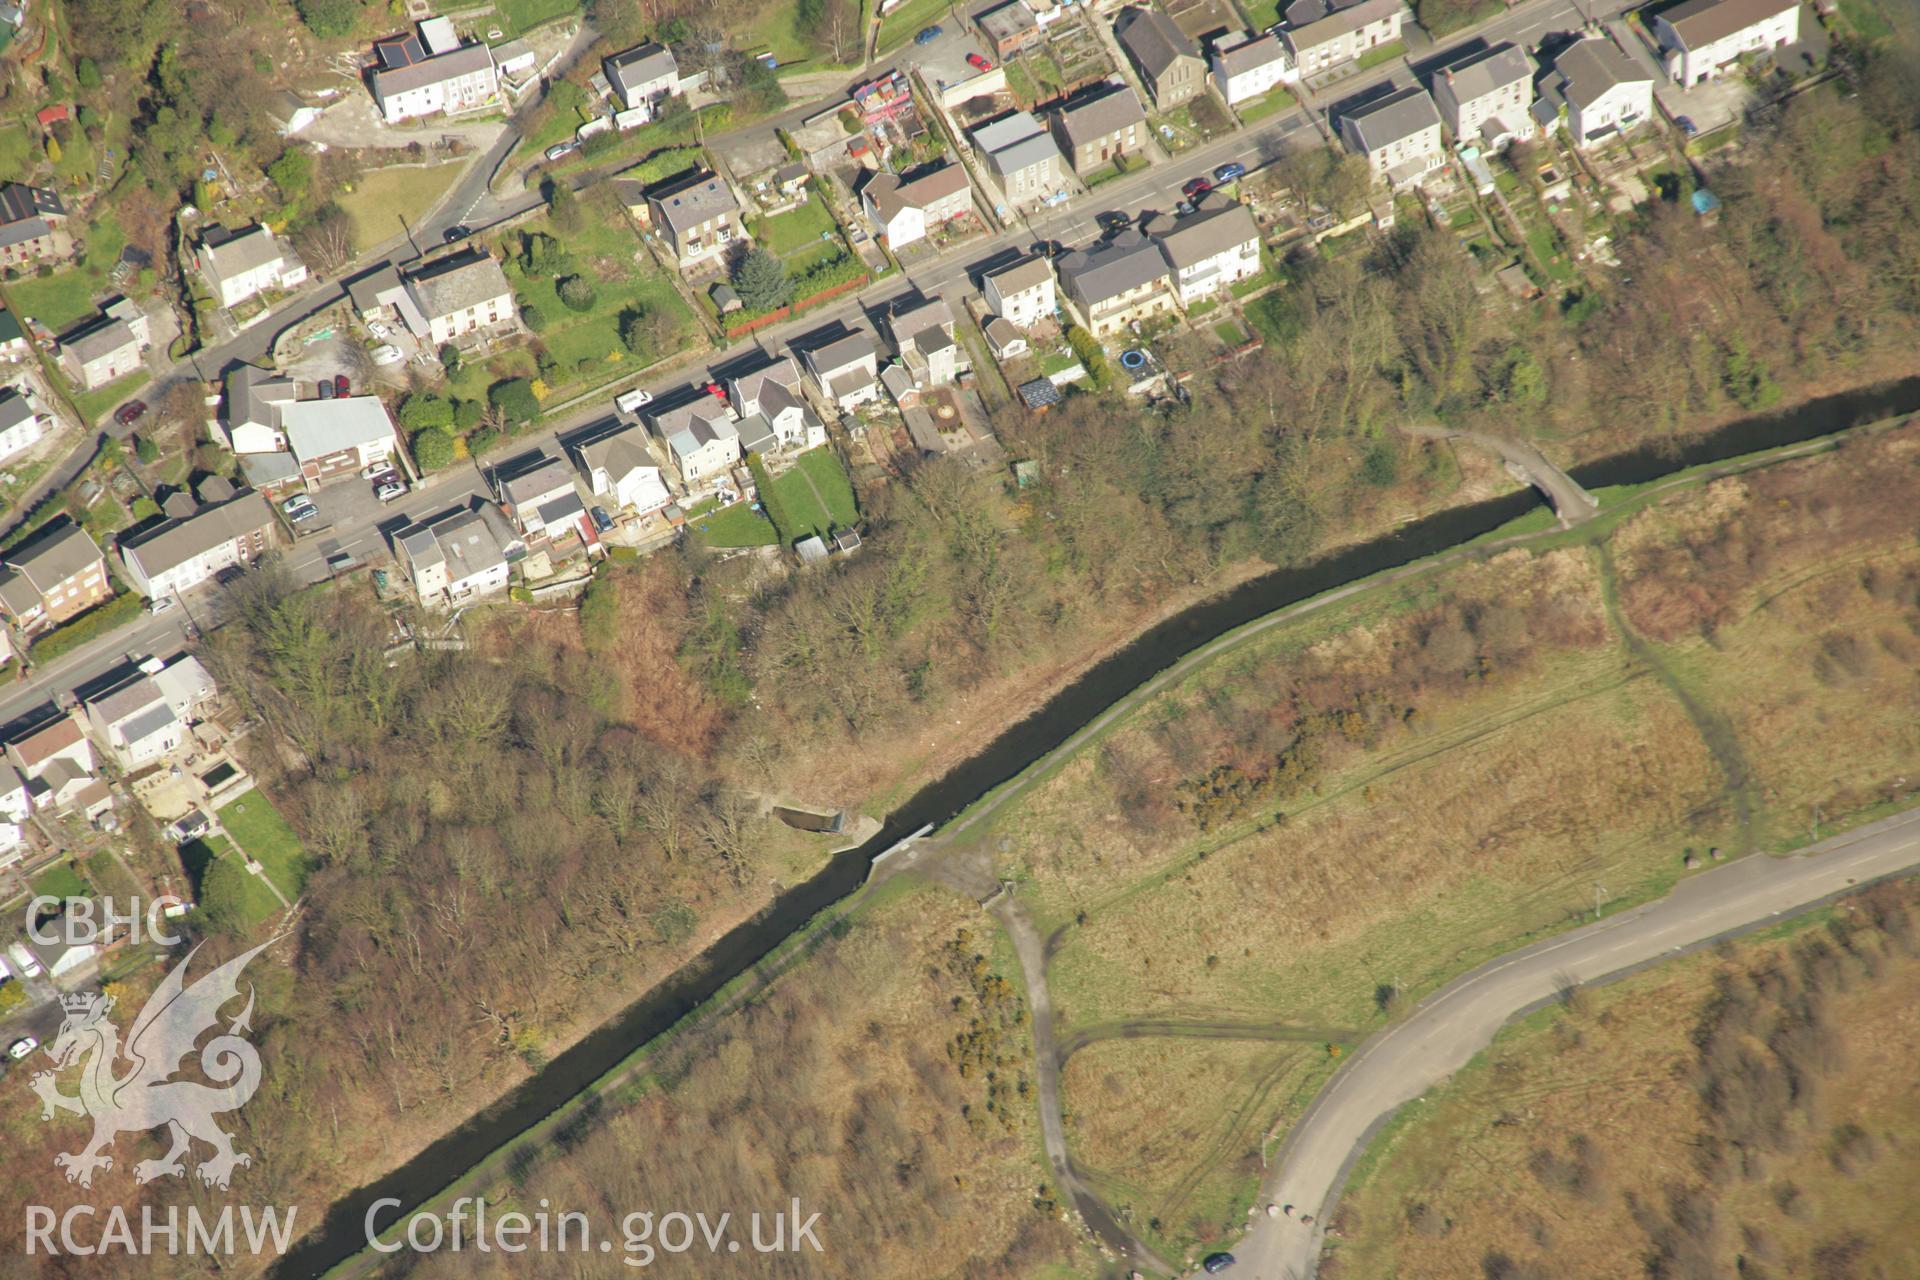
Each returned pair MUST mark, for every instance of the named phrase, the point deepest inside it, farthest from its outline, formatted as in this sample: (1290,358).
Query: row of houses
(33,225)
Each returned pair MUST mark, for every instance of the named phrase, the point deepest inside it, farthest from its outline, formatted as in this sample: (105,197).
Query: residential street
(1449,1027)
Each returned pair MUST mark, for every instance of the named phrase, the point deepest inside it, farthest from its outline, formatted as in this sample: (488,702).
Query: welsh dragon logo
(145,1097)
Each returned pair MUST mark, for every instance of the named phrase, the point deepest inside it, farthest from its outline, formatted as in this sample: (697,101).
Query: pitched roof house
(1215,246)
(1100,127)
(1600,90)
(1699,39)
(136,723)
(1022,293)
(1166,59)
(1117,283)
(1023,157)
(525,497)
(431,73)
(461,294)
(700,438)
(903,210)
(847,370)
(1323,34)
(186,552)
(700,219)
(1484,98)
(107,347)
(239,264)
(454,560)
(1399,135)
(21,425)
(922,331)
(32,224)
(621,470)
(641,76)
(58,575)
(1251,68)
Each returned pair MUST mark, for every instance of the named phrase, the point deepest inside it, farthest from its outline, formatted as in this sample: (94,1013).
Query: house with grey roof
(22,425)
(54,577)
(905,209)
(430,72)
(922,332)
(701,447)
(1485,98)
(33,225)
(622,471)
(381,295)
(1700,39)
(327,439)
(239,264)
(1168,61)
(1594,91)
(135,723)
(1251,68)
(530,490)
(847,370)
(1117,283)
(1020,294)
(464,293)
(13,339)
(700,219)
(1101,127)
(1398,135)
(187,551)
(1212,248)
(642,76)
(107,347)
(1324,34)
(1023,158)
(454,560)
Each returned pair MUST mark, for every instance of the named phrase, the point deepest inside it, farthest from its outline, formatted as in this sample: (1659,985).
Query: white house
(136,723)
(461,294)
(1255,66)
(453,561)
(527,496)
(1216,246)
(1601,91)
(904,212)
(432,73)
(1484,98)
(621,471)
(1399,135)
(1323,34)
(922,331)
(184,553)
(21,425)
(642,76)
(701,440)
(1700,38)
(14,804)
(239,264)
(1022,293)
(847,370)
(772,394)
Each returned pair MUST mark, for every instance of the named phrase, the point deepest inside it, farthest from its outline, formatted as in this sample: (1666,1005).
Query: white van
(23,960)
(631,401)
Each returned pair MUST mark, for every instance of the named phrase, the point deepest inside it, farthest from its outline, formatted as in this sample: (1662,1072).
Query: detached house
(1399,135)
(21,425)
(905,210)
(700,219)
(1700,38)
(239,264)
(1101,127)
(1484,99)
(700,438)
(846,370)
(1167,60)
(185,552)
(1251,68)
(57,576)
(622,472)
(454,560)
(1323,34)
(1022,157)
(774,414)
(1598,90)
(32,225)
(1118,283)
(641,77)
(922,331)
(58,764)
(136,723)
(538,497)
(1009,29)
(1214,247)
(1022,293)
(431,73)
(460,295)
(107,347)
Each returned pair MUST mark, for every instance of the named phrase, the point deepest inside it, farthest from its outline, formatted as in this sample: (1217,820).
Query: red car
(978,63)
(341,386)
(717,391)
(130,412)
(1196,188)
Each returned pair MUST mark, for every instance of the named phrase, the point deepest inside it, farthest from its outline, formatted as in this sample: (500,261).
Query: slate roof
(54,557)
(1487,71)
(1100,115)
(849,382)
(1020,277)
(1004,132)
(536,483)
(1108,270)
(464,61)
(909,316)
(1028,153)
(639,66)
(618,453)
(252,394)
(701,198)
(699,432)
(842,352)
(19,201)
(1152,40)
(1591,67)
(1400,115)
(456,283)
(10,330)
(890,195)
(1039,393)
(757,434)
(750,386)
(230,253)
(99,337)
(181,540)
(131,697)
(1258,52)
(14,409)
(1314,22)
(1201,235)
(1701,22)
(24,230)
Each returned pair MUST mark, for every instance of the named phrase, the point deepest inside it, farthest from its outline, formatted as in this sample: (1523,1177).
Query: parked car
(299,507)
(717,391)
(1216,1263)
(1687,126)
(1229,171)
(387,353)
(374,470)
(341,385)
(561,150)
(160,604)
(1112,220)
(929,34)
(326,388)
(456,233)
(23,960)
(130,412)
(22,1047)
(978,63)
(631,401)
(378,330)
(601,520)
(389,486)
(1195,188)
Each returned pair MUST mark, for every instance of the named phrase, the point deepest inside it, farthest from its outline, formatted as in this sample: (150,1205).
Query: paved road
(1449,1027)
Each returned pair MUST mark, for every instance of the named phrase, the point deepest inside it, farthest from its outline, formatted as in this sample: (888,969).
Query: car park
(978,63)
(1229,171)
(22,1047)
(1195,188)
(929,34)
(130,412)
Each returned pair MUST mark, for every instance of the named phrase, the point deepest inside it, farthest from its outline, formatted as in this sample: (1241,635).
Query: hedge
(95,622)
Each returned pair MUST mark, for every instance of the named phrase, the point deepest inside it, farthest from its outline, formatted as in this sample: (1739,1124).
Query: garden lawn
(257,902)
(906,22)
(384,202)
(66,297)
(519,15)
(15,148)
(736,526)
(1275,100)
(586,344)
(93,404)
(830,478)
(257,827)
(797,229)
(1385,53)
(794,494)
(61,881)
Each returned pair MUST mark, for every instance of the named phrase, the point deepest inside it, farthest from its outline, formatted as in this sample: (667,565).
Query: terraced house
(1324,34)
(1700,39)
(1118,283)
(1485,98)
(186,552)
(1210,250)
(430,72)
(700,219)
(55,577)
(464,294)
(21,425)
(1594,91)
(1023,157)
(1251,68)
(1101,127)
(33,225)
(1399,135)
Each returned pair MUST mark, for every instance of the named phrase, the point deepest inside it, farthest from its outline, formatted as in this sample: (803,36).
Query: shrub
(467,414)
(145,508)
(532,317)
(1092,358)
(421,412)
(577,293)
(328,18)
(433,448)
(514,400)
(146,450)
(95,622)
(87,72)
(450,358)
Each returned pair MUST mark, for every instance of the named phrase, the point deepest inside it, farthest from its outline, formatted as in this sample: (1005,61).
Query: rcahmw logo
(145,1096)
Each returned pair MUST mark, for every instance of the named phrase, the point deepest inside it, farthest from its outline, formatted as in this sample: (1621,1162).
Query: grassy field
(519,15)
(797,229)
(738,525)
(1439,771)
(904,23)
(1539,1151)
(257,827)
(67,297)
(94,404)
(385,202)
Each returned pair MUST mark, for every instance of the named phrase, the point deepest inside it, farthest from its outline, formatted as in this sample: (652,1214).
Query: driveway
(353,122)
(1449,1027)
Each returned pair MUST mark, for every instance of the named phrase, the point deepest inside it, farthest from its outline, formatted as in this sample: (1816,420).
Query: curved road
(1449,1027)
